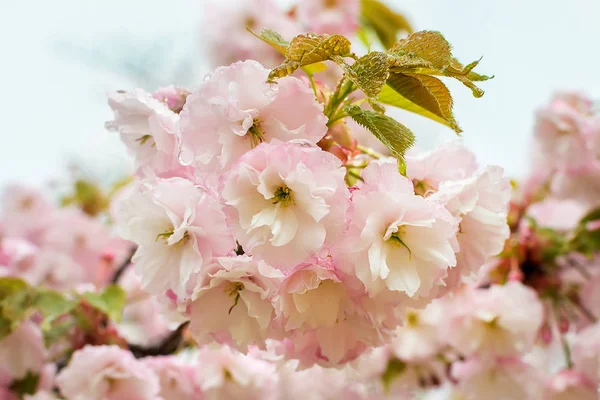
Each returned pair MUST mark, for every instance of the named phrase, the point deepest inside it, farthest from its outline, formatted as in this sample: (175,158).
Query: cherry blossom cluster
(248,228)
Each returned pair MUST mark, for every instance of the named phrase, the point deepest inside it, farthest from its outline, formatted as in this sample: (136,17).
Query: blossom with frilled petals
(313,295)
(480,203)
(286,201)
(330,16)
(22,351)
(503,379)
(177,379)
(23,211)
(236,109)
(178,228)
(226,374)
(567,133)
(228,40)
(449,162)
(571,385)
(148,128)
(586,352)
(397,241)
(499,321)
(107,372)
(232,303)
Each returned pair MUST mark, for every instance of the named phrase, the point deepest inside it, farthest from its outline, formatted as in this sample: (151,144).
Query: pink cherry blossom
(232,302)
(586,352)
(22,351)
(177,226)
(227,40)
(499,321)
(236,109)
(174,97)
(397,241)
(480,202)
(107,372)
(286,201)
(23,211)
(449,162)
(567,134)
(330,16)
(229,375)
(561,215)
(177,379)
(571,385)
(143,322)
(504,379)
(148,128)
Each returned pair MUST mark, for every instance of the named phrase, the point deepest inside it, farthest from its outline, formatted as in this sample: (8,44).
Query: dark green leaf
(390,132)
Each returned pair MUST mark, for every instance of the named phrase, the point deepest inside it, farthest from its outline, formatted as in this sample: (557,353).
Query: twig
(168,345)
(123,267)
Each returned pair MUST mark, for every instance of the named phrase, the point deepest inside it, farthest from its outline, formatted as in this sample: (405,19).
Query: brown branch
(123,267)
(168,345)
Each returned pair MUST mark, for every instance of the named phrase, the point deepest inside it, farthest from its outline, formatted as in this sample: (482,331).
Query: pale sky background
(57,59)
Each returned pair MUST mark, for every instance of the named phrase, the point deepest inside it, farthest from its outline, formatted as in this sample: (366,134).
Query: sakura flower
(174,97)
(23,211)
(571,385)
(178,228)
(505,379)
(313,295)
(499,321)
(107,372)
(177,379)
(236,109)
(143,322)
(22,351)
(286,201)
(228,40)
(451,161)
(561,215)
(419,338)
(232,302)
(480,203)
(586,352)
(330,16)
(229,375)
(567,134)
(55,270)
(147,127)
(397,241)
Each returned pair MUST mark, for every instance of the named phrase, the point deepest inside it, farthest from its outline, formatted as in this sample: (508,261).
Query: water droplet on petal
(207,77)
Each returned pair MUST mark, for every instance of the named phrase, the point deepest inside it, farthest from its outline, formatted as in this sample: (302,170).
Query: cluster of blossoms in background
(266,249)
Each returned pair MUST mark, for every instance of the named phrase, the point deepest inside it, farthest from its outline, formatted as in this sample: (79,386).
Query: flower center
(284,196)
(412,318)
(234,289)
(167,234)
(143,139)
(396,240)
(255,134)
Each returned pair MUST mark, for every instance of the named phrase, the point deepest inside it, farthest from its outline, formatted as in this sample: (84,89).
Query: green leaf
(310,49)
(26,385)
(53,305)
(393,370)
(10,286)
(395,136)
(369,73)
(273,39)
(593,215)
(386,23)
(429,53)
(111,301)
(422,94)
